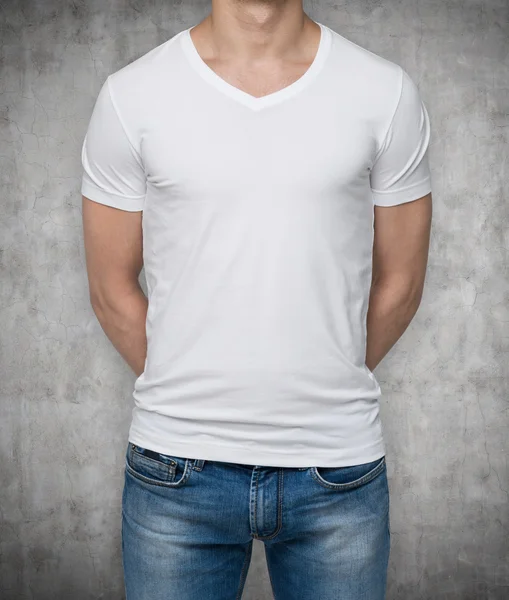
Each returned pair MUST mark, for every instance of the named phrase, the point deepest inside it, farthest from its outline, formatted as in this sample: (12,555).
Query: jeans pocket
(349,477)
(156,468)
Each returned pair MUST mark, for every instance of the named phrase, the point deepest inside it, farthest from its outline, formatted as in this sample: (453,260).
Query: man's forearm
(123,320)
(392,306)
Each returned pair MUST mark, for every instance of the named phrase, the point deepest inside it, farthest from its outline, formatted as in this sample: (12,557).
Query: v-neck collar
(254,102)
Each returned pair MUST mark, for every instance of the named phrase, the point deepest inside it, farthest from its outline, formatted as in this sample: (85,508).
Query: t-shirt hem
(97,194)
(251,456)
(407,194)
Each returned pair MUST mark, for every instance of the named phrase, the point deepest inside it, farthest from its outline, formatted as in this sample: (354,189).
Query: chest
(210,155)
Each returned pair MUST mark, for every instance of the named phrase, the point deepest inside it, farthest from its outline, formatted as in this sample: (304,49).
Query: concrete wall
(66,394)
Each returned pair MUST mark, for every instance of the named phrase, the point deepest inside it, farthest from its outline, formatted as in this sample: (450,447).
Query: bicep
(401,241)
(113,249)
(401,188)
(113,196)
(401,171)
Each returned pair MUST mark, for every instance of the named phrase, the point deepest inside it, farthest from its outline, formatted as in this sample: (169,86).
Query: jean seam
(279,525)
(165,484)
(255,509)
(353,484)
(243,573)
(270,576)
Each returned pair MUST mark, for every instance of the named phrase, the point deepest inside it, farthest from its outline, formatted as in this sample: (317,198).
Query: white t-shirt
(257,245)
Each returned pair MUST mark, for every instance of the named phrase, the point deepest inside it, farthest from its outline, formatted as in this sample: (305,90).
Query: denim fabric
(188,527)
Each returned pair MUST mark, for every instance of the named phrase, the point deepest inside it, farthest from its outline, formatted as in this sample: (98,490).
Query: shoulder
(136,88)
(146,71)
(370,68)
(373,83)
(374,80)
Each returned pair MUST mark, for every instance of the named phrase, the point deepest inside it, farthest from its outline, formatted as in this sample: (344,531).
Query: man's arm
(400,256)
(114,256)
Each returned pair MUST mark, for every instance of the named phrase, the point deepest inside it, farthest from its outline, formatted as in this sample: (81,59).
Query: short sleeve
(401,172)
(113,172)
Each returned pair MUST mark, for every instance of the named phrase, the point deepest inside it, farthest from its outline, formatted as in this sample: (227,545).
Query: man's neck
(257,29)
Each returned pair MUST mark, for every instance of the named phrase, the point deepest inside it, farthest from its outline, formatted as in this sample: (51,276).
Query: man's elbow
(108,298)
(415,297)
(411,296)
(98,302)
(405,291)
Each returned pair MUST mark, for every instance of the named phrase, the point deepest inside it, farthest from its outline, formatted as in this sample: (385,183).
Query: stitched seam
(121,121)
(167,484)
(270,575)
(172,463)
(256,504)
(393,116)
(279,525)
(353,484)
(188,443)
(243,572)
(402,189)
(280,511)
(90,183)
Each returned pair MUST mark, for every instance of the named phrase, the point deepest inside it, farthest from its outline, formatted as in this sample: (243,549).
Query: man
(272,177)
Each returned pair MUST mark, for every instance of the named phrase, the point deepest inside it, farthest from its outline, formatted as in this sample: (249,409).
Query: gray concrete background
(66,394)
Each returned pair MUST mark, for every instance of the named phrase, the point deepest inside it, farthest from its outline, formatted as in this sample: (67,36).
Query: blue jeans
(188,527)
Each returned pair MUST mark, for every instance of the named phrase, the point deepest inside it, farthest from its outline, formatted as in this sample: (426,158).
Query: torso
(257,249)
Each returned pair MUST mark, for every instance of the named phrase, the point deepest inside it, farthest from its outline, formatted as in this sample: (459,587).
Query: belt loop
(198,464)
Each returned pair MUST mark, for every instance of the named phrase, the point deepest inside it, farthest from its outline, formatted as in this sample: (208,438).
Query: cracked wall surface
(65,399)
